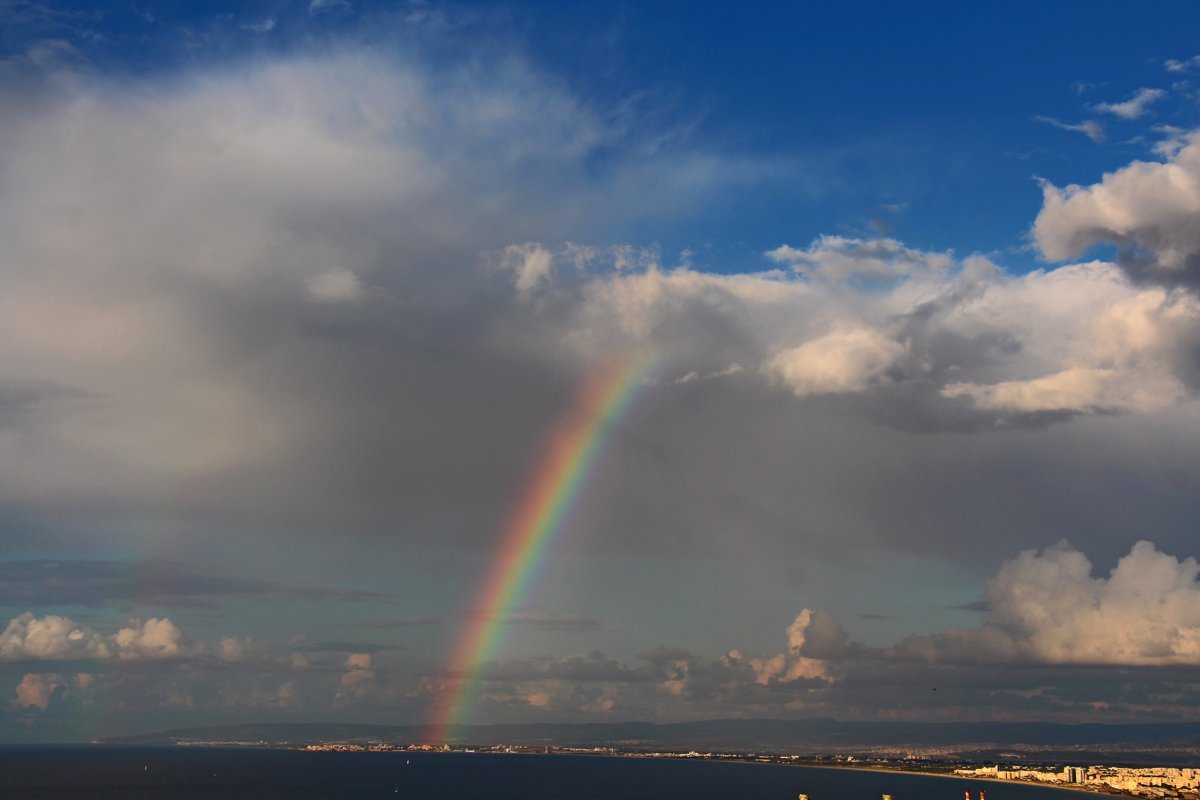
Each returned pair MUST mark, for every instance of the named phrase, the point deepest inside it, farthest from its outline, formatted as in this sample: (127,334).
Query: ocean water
(80,773)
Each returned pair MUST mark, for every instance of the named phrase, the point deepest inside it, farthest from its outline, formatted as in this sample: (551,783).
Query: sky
(295,298)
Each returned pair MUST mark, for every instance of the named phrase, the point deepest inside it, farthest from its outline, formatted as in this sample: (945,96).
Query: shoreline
(1078,788)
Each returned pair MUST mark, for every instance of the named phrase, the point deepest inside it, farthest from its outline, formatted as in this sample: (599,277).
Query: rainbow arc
(550,496)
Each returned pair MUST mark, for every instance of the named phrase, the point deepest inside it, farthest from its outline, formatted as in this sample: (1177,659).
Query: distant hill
(1177,743)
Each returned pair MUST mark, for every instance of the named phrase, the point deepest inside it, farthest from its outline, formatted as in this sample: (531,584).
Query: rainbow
(545,506)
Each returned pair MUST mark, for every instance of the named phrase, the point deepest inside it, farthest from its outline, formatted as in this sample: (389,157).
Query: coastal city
(1150,782)
(1137,781)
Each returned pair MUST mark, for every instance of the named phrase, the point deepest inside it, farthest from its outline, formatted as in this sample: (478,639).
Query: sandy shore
(1072,789)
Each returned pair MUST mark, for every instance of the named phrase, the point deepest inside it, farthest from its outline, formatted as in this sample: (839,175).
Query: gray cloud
(593,666)
(975,605)
(344,647)
(314,324)
(557,622)
(22,403)
(148,583)
(387,623)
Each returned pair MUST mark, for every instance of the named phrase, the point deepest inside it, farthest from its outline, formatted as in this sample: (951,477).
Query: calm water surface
(151,774)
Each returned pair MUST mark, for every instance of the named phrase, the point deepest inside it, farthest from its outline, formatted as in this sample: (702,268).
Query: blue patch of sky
(865,118)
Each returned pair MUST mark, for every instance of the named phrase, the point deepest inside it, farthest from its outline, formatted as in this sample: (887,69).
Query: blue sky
(291,293)
(860,108)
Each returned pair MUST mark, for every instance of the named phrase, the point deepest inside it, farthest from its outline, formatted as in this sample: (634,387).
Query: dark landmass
(1177,744)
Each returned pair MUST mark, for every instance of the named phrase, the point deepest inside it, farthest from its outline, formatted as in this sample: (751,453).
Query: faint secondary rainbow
(549,497)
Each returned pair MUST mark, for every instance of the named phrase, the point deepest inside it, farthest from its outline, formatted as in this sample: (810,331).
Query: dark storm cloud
(329,360)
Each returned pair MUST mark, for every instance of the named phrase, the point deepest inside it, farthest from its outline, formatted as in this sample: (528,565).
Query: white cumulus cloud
(53,637)
(1149,209)
(1048,607)
(1076,389)
(847,360)
(843,259)
(1080,339)
(812,633)
(29,638)
(37,689)
(357,682)
(150,640)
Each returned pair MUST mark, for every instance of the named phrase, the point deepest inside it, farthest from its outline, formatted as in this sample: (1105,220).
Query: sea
(79,773)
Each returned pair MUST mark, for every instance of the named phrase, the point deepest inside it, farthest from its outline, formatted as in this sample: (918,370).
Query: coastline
(1081,788)
(1076,790)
